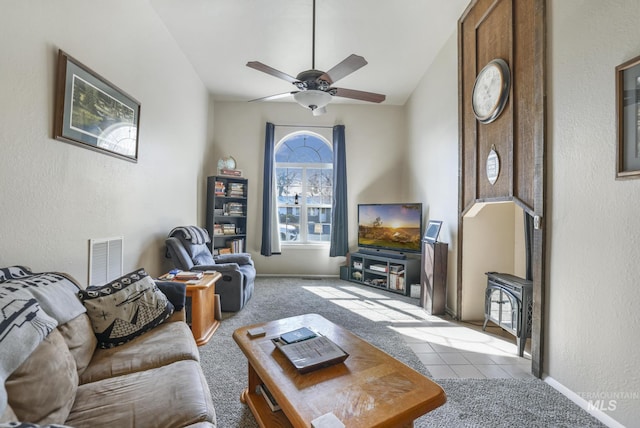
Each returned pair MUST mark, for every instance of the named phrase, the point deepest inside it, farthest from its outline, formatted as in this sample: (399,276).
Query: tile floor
(448,349)
(451,349)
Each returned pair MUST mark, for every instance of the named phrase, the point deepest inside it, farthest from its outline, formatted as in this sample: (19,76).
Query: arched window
(304,188)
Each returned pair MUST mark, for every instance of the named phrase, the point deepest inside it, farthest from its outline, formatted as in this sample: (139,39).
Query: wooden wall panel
(494,40)
(504,29)
(513,30)
(525,105)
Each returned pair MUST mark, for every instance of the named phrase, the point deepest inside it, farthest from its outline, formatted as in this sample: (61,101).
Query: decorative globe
(227,163)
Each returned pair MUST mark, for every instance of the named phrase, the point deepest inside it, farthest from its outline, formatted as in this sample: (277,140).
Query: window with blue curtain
(305,190)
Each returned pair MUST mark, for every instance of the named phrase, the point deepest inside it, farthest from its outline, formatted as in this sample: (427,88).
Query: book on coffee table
(311,354)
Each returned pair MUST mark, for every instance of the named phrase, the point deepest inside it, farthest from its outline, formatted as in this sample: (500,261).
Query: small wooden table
(203,307)
(370,389)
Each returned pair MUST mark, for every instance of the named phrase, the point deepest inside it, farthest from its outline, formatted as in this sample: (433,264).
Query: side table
(202,296)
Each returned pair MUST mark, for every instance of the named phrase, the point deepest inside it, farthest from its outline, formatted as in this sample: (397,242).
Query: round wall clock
(491,90)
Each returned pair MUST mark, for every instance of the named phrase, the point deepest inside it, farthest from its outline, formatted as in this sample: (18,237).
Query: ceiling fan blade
(274,97)
(344,68)
(272,71)
(359,95)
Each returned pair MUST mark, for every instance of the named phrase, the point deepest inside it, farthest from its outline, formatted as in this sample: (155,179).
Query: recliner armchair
(188,250)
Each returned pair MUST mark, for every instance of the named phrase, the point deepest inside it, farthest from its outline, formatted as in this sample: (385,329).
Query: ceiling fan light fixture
(313,100)
(319,111)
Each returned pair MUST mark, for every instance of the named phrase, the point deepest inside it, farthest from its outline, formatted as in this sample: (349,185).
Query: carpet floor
(470,402)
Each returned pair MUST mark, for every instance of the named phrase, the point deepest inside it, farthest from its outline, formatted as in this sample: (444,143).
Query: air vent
(105,259)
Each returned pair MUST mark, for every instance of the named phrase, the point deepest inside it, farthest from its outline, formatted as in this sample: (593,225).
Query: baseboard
(584,404)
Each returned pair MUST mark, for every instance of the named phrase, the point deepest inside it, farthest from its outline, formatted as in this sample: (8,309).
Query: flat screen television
(395,227)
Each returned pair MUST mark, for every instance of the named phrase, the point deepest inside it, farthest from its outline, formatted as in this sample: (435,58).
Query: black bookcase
(227,213)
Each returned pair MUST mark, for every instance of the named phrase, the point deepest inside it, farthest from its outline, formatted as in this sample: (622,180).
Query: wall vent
(105,259)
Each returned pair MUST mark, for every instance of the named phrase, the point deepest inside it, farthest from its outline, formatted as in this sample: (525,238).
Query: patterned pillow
(125,308)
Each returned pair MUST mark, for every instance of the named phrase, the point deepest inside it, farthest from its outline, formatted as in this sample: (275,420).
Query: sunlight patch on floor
(328,292)
(370,304)
(458,339)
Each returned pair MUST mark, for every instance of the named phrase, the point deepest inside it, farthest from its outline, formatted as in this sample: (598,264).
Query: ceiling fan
(314,90)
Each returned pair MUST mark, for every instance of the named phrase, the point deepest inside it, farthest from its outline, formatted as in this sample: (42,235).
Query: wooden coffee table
(203,307)
(370,389)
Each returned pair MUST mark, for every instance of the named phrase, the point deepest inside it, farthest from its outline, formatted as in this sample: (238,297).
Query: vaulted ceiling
(399,39)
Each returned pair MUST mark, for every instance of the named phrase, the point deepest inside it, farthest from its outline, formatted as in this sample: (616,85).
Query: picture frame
(432,232)
(92,112)
(628,119)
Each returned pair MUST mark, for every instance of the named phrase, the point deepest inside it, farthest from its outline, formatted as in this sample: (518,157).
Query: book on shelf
(314,352)
(223,251)
(217,229)
(235,190)
(396,268)
(228,229)
(393,281)
(234,209)
(378,268)
(236,245)
(219,188)
(271,401)
(230,172)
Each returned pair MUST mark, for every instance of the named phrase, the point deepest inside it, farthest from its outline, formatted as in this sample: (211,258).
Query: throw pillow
(175,292)
(125,308)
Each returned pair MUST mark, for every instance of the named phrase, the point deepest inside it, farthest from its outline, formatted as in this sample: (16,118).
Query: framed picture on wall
(628,119)
(93,113)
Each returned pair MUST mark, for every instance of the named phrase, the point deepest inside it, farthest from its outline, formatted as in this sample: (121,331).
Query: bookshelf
(227,213)
(384,272)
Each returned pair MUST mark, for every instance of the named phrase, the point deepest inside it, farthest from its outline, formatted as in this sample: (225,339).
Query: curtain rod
(303,126)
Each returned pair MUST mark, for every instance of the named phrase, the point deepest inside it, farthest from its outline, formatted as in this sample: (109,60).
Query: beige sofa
(152,380)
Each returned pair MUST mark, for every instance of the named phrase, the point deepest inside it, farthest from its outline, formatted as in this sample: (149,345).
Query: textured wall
(57,196)
(375,167)
(432,131)
(594,232)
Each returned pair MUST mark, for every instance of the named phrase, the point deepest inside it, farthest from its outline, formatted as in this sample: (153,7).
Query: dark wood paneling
(513,30)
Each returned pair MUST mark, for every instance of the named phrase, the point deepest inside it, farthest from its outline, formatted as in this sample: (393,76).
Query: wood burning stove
(508,303)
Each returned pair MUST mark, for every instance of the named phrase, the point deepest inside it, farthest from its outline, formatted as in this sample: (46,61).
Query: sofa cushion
(79,337)
(165,344)
(23,327)
(170,396)
(125,308)
(8,415)
(30,425)
(42,390)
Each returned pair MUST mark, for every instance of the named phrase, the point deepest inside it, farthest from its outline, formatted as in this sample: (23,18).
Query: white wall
(493,242)
(432,132)
(593,229)
(375,167)
(57,196)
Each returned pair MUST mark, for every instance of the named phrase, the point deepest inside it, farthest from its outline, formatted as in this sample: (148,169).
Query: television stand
(384,270)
